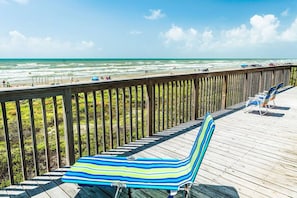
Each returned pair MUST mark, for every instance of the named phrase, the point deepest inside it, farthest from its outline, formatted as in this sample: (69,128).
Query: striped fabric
(273,95)
(261,100)
(169,174)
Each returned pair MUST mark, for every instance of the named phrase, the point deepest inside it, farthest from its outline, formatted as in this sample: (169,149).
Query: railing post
(149,106)
(261,89)
(246,87)
(195,94)
(68,127)
(224,91)
(273,77)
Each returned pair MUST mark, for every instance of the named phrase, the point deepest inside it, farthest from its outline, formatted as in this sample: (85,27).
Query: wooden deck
(249,156)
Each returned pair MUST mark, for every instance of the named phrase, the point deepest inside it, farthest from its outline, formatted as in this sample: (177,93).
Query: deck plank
(249,156)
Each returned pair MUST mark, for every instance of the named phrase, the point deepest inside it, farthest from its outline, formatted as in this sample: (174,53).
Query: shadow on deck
(50,185)
(249,156)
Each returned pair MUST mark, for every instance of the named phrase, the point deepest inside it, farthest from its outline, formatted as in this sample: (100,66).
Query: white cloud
(175,33)
(188,39)
(290,34)
(155,14)
(264,28)
(260,32)
(20,45)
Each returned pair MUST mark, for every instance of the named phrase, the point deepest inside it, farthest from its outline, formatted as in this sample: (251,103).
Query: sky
(148,29)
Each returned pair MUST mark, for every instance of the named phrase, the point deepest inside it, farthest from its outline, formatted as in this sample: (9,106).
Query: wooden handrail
(51,126)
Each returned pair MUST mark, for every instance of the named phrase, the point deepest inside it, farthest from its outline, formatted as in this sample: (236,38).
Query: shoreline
(40,72)
(42,81)
(46,81)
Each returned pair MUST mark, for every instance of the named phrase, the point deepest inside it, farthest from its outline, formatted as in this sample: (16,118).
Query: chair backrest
(276,91)
(268,96)
(200,145)
(280,85)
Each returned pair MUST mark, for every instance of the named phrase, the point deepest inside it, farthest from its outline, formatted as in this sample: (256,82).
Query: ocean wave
(24,71)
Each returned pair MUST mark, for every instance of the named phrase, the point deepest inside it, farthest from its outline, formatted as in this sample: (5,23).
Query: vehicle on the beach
(256,65)
(244,65)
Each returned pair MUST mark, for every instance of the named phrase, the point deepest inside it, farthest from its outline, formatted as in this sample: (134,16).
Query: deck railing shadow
(52,179)
(147,142)
(156,139)
(34,186)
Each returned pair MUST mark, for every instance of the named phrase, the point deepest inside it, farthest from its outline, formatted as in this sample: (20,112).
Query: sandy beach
(40,82)
(45,72)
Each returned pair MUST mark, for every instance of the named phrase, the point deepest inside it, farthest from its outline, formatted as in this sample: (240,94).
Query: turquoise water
(19,71)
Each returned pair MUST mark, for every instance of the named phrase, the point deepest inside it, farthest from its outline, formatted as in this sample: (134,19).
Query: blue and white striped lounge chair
(274,92)
(260,101)
(153,173)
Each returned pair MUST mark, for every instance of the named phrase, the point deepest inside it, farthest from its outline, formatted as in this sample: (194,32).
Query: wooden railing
(44,128)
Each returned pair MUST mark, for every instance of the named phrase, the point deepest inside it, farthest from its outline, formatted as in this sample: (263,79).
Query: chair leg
(118,192)
(172,193)
(129,193)
(187,190)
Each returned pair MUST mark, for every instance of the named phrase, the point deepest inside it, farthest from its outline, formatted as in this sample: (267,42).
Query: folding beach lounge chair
(154,173)
(274,92)
(260,101)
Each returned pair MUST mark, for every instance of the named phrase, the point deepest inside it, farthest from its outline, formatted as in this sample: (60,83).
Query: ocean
(56,71)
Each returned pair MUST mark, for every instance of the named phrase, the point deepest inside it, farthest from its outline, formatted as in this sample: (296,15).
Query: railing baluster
(195,88)
(186,96)
(7,142)
(95,122)
(180,102)
(118,117)
(158,107)
(136,112)
(21,139)
(224,92)
(167,106)
(124,115)
(190,89)
(103,121)
(176,103)
(33,136)
(110,120)
(171,103)
(87,123)
(130,114)
(47,154)
(142,111)
(78,124)
(163,106)
(57,135)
